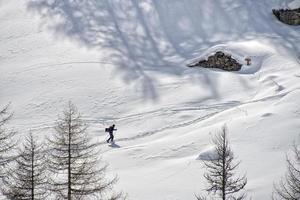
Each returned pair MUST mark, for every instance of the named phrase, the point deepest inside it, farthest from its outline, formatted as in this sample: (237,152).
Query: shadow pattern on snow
(153,35)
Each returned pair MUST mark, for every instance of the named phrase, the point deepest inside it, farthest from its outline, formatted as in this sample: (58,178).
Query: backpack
(108,129)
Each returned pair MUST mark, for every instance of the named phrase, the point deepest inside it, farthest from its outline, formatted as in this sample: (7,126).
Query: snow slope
(123,62)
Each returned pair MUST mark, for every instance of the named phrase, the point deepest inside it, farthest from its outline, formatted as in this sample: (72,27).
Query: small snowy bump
(208,154)
(294,4)
(267,114)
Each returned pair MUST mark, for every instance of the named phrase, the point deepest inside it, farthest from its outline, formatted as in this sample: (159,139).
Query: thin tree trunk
(32,174)
(75,158)
(221,177)
(69,163)
(224,171)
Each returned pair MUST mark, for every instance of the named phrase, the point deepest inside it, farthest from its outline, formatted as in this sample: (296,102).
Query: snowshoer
(110,130)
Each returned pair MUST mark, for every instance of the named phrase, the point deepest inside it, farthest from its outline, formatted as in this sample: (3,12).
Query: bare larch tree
(27,179)
(289,187)
(7,142)
(75,162)
(221,172)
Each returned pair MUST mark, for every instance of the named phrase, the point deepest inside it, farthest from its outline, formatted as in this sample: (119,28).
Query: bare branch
(78,172)
(220,172)
(289,187)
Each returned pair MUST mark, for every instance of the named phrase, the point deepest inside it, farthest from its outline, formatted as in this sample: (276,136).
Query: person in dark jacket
(111,130)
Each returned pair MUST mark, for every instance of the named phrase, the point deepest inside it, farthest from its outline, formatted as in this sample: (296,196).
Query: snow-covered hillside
(124,62)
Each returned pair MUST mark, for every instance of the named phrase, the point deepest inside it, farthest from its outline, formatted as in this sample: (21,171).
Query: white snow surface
(124,62)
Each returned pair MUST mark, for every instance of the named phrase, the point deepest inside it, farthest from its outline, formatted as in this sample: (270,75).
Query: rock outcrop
(219,60)
(287,16)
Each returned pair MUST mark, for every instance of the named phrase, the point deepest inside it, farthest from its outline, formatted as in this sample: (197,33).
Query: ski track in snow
(42,66)
(210,111)
(221,107)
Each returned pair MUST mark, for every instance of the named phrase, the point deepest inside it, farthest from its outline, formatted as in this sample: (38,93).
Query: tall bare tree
(7,142)
(221,172)
(27,179)
(289,187)
(75,161)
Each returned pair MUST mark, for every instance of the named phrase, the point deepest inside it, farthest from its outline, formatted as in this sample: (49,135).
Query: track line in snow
(218,108)
(46,65)
(196,120)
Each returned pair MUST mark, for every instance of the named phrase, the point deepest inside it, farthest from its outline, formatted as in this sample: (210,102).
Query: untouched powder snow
(124,62)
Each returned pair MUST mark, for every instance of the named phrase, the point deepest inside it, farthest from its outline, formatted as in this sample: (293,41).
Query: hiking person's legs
(111,138)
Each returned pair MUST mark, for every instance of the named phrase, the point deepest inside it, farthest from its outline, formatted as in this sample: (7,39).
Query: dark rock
(219,60)
(288,16)
(219,54)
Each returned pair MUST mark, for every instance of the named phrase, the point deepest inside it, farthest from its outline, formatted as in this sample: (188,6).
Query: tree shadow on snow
(153,35)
